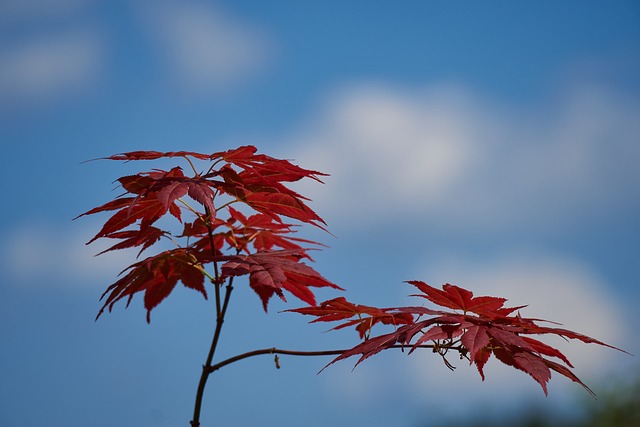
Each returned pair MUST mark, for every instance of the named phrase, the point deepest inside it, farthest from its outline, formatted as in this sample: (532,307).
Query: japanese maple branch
(217,283)
(221,311)
(274,350)
(206,368)
(219,322)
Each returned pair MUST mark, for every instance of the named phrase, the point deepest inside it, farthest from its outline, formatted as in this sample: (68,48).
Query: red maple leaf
(264,233)
(266,167)
(168,186)
(271,272)
(157,276)
(457,298)
(475,339)
(365,316)
(267,194)
(147,210)
(153,155)
(132,238)
(146,207)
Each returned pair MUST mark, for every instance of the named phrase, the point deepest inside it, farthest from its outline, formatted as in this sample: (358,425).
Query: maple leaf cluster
(260,245)
(478,327)
(234,217)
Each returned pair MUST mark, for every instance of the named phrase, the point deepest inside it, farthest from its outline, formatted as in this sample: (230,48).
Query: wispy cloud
(50,49)
(16,11)
(462,162)
(42,254)
(206,49)
(38,70)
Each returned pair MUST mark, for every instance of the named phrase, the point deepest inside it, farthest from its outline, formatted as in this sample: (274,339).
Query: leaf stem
(188,206)
(229,203)
(193,168)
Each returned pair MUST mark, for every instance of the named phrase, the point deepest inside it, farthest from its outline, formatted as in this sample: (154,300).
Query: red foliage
(365,316)
(157,276)
(477,328)
(232,177)
(221,242)
(272,271)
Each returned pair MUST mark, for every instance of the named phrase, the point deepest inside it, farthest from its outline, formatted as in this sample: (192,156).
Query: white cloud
(52,49)
(33,10)
(40,254)
(461,162)
(45,67)
(207,50)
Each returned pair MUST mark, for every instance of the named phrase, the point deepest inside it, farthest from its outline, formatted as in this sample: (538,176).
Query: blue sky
(488,144)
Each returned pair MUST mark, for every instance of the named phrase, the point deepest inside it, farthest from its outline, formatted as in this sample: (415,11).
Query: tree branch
(274,350)
(206,368)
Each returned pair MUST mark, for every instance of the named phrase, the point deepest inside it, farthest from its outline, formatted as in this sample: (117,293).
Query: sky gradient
(492,145)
